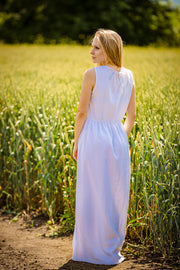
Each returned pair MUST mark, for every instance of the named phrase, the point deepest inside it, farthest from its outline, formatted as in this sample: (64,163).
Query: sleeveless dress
(103,171)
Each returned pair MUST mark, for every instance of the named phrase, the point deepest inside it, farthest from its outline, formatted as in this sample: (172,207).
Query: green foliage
(39,93)
(138,22)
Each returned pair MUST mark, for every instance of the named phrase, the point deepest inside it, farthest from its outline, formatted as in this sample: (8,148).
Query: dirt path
(23,246)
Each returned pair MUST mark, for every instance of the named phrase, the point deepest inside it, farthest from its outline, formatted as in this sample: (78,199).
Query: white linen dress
(103,171)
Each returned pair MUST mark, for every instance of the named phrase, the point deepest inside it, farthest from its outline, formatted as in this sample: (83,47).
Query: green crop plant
(39,93)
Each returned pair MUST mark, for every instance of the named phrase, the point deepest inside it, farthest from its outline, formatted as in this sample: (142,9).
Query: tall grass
(39,93)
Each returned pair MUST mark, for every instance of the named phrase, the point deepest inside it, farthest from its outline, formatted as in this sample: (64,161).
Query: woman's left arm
(86,91)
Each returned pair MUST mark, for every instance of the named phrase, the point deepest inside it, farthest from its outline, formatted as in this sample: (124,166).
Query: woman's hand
(75,151)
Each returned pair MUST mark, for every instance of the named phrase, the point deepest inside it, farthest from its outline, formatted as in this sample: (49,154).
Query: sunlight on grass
(39,93)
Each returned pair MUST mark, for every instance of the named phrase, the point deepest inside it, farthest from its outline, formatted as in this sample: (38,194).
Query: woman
(102,153)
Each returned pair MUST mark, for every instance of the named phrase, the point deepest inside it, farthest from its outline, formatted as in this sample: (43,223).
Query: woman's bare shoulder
(90,75)
(90,72)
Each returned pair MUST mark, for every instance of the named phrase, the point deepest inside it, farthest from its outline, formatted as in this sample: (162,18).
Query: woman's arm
(131,112)
(87,87)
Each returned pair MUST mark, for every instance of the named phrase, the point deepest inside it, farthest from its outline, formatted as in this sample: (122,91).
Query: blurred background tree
(138,22)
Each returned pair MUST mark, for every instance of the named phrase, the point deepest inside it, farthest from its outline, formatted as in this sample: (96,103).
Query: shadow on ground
(72,265)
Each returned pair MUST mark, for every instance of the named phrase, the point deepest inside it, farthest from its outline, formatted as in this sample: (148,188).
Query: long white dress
(103,171)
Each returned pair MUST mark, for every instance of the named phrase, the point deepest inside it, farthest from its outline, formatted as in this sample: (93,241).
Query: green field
(39,92)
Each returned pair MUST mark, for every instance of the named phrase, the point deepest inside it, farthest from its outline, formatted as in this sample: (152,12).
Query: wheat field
(39,93)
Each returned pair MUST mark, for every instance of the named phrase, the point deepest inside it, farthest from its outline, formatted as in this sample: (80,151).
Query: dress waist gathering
(98,121)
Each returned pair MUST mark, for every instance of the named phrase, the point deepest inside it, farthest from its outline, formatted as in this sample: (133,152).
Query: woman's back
(111,94)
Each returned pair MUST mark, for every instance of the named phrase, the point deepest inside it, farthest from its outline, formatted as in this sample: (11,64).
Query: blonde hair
(112,45)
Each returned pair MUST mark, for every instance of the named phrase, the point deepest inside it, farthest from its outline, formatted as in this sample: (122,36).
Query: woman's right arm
(86,91)
(131,112)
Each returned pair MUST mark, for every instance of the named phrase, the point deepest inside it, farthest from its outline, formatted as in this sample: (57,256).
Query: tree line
(54,21)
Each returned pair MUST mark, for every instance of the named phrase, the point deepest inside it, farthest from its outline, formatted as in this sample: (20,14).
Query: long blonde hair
(112,45)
